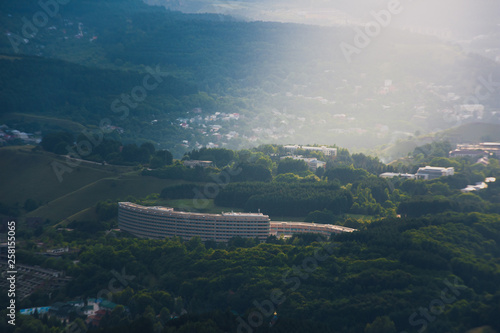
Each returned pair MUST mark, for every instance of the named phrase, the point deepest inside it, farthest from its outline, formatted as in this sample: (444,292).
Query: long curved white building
(162,222)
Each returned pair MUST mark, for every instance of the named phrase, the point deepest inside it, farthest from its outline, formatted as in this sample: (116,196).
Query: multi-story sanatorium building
(162,222)
(429,173)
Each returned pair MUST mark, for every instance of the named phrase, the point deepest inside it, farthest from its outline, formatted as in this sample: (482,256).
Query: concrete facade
(163,222)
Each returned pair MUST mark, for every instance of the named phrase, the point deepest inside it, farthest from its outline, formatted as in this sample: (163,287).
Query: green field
(88,214)
(29,175)
(26,174)
(114,188)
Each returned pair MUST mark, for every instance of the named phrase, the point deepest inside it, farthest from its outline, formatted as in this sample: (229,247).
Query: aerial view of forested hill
(249,166)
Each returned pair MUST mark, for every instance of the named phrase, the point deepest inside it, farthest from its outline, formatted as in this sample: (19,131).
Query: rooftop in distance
(171,210)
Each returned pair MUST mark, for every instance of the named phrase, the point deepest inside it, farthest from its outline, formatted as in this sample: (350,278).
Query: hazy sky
(461,18)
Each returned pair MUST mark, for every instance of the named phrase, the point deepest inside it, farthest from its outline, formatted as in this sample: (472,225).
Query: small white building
(394,174)
(468,153)
(325,150)
(429,173)
(477,187)
(197,163)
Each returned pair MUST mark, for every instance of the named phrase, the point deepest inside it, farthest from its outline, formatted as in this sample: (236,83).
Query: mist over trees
(136,101)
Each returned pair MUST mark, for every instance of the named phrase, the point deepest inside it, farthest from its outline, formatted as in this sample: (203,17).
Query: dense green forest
(349,184)
(396,271)
(424,258)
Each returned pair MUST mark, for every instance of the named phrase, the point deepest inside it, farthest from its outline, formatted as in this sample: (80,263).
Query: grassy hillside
(289,83)
(43,122)
(467,133)
(472,133)
(29,175)
(113,188)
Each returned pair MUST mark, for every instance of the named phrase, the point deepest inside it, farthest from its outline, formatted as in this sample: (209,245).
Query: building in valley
(163,222)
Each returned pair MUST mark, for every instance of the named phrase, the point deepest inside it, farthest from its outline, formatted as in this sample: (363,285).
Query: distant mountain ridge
(480,16)
(288,83)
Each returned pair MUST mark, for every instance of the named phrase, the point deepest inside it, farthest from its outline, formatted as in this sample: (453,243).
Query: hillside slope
(472,133)
(285,83)
(30,175)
